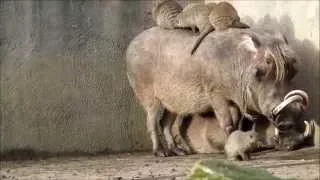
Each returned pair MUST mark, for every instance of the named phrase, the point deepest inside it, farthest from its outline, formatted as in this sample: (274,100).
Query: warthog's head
(287,133)
(268,81)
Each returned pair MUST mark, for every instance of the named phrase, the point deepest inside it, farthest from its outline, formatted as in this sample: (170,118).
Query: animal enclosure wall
(299,22)
(63,79)
(63,75)
(63,84)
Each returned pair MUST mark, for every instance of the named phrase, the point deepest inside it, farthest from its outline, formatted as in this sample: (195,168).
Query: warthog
(242,66)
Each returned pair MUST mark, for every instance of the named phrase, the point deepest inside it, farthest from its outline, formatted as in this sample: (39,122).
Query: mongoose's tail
(202,35)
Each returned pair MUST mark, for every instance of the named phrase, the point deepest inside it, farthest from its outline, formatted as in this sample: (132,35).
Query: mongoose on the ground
(240,143)
(209,17)
(164,13)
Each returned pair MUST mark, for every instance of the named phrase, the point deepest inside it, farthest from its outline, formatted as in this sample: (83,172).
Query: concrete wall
(63,76)
(63,80)
(299,22)
(63,85)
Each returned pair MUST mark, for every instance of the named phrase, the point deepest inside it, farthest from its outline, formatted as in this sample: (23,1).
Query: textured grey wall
(63,81)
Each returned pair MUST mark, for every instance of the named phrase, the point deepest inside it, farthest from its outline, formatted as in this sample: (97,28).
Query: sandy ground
(301,164)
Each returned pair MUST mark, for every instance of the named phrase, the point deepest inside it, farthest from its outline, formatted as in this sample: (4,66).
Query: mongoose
(209,17)
(195,16)
(164,13)
(240,143)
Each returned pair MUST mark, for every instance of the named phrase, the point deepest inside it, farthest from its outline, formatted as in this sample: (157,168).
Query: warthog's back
(154,39)
(147,47)
(171,48)
(159,59)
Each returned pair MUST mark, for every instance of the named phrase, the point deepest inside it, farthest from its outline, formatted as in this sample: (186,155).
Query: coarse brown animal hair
(284,58)
(281,55)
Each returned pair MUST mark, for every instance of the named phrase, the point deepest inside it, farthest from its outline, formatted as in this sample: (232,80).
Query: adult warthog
(250,69)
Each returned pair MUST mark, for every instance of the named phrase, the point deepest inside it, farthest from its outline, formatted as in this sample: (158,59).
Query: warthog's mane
(283,58)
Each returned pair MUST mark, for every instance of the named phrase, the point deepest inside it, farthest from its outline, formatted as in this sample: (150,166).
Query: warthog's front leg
(224,114)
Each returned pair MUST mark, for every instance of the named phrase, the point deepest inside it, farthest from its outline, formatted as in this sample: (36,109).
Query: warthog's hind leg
(153,111)
(167,122)
(183,141)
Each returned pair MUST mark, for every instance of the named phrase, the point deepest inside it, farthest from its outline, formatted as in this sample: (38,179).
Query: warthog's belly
(181,98)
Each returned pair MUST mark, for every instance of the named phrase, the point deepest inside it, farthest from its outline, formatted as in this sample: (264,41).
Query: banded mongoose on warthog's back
(240,143)
(164,13)
(209,17)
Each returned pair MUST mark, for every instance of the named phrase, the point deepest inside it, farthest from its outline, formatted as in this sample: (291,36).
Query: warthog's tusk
(308,129)
(303,94)
(276,132)
(304,98)
(284,103)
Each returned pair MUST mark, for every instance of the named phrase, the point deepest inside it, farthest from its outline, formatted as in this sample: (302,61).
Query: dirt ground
(301,164)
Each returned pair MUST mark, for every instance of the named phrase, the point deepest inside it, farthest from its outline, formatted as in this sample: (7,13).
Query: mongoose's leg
(232,157)
(184,143)
(244,156)
(194,29)
(249,156)
(152,111)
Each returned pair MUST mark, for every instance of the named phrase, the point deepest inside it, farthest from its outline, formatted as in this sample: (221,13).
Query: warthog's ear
(263,64)
(282,37)
(249,42)
(255,40)
(285,39)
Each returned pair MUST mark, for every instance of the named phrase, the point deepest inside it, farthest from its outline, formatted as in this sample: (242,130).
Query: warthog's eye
(269,60)
(285,126)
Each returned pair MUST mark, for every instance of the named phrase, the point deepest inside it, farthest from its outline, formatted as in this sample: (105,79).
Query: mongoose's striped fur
(209,17)
(164,13)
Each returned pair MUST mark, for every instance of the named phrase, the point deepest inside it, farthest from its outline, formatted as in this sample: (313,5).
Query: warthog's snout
(290,139)
(286,135)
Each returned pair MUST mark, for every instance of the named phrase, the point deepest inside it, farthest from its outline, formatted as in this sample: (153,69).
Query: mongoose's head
(224,16)
(252,135)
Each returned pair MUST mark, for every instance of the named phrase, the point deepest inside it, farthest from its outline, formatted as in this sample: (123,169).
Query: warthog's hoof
(177,151)
(160,153)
